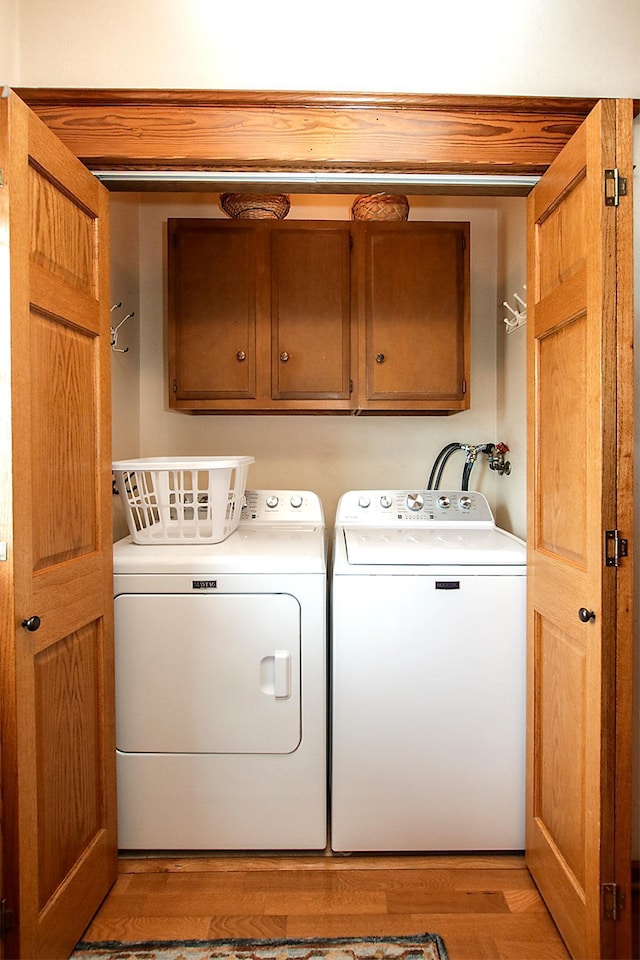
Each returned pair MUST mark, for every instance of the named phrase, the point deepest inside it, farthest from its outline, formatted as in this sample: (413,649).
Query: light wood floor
(484,907)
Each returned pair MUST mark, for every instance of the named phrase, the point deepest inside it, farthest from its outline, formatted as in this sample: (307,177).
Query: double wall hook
(114,330)
(518,314)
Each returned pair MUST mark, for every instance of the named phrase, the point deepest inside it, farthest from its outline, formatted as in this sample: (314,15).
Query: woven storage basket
(191,500)
(380,206)
(254,206)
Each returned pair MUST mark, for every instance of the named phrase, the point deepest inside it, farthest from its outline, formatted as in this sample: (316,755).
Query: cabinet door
(310,311)
(212,311)
(414,331)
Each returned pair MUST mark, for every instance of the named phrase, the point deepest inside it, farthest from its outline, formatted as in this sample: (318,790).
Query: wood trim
(58,96)
(271,131)
(623,787)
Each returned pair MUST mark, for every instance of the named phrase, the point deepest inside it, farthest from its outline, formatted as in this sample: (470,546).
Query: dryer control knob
(364,502)
(415,501)
(444,503)
(271,501)
(385,501)
(296,502)
(465,503)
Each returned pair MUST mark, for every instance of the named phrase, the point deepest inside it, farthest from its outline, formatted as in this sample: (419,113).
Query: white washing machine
(428,675)
(221,685)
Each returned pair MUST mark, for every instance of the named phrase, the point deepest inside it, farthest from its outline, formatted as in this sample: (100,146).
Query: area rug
(428,946)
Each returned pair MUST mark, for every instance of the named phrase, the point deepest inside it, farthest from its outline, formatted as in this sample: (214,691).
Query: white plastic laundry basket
(187,500)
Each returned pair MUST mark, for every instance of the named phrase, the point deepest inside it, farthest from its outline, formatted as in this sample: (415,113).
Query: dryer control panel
(281,506)
(381,507)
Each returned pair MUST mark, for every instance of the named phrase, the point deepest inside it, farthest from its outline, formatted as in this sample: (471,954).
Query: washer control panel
(281,506)
(435,506)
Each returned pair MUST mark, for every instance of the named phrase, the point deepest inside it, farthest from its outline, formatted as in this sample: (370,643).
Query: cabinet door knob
(31,624)
(241,355)
(379,357)
(586,615)
(284,356)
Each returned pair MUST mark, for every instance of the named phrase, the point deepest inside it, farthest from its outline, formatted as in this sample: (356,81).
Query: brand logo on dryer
(204,584)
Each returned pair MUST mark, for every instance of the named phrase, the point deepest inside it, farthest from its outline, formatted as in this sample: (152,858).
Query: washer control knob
(272,501)
(464,503)
(415,502)
(444,503)
(385,501)
(364,502)
(296,501)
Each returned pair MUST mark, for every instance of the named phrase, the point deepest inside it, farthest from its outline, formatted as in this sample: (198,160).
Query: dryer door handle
(281,674)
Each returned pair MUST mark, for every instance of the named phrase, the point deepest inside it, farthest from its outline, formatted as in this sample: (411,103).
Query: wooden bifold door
(580,448)
(56,681)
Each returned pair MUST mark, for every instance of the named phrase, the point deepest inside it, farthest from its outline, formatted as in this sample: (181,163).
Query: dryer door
(207,673)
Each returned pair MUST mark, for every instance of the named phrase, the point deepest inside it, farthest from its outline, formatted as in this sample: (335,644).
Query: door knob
(241,355)
(379,357)
(586,615)
(284,356)
(31,624)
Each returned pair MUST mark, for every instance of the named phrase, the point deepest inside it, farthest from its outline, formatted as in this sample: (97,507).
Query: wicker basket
(380,206)
(255,206)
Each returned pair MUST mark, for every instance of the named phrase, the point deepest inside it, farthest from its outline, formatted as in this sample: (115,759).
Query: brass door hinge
(615,187)
(613,901)
(615,548)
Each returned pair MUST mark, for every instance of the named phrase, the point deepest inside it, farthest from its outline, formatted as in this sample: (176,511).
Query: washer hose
(436,475)
(471,453)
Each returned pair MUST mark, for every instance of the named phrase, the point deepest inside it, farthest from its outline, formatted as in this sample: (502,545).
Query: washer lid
(423,546)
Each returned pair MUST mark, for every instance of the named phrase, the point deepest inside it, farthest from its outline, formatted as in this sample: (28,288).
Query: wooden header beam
(305,132)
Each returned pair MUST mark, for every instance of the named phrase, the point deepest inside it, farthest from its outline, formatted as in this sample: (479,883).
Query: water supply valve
(497,460)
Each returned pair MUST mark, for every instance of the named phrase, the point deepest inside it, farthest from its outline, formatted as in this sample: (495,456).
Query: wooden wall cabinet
(318,316)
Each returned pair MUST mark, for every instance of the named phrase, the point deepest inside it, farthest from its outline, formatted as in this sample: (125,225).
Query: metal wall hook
(114,330)
(518,314)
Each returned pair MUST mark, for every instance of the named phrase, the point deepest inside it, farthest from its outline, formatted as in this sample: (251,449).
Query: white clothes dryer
(428,675)
(221,684)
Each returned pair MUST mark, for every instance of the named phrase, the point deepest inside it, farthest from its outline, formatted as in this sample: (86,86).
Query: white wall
(327,454)
(511,500)
(9,42)
(125,367)
(532,47)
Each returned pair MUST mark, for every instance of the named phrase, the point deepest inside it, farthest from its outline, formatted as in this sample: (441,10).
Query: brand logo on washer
(204,584)
(447,584)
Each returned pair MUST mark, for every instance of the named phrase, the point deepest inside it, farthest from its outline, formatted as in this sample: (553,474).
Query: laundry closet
(330,454)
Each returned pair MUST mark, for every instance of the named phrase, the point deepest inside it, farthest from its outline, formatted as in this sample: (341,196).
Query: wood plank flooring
(483,906)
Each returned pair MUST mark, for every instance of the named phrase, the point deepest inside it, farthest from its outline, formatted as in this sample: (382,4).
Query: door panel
(310,312)
(562,364)
(57,693)
(62,721)
(212,310)
(580,428)
(216,673)
(63,361)
(416,293)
